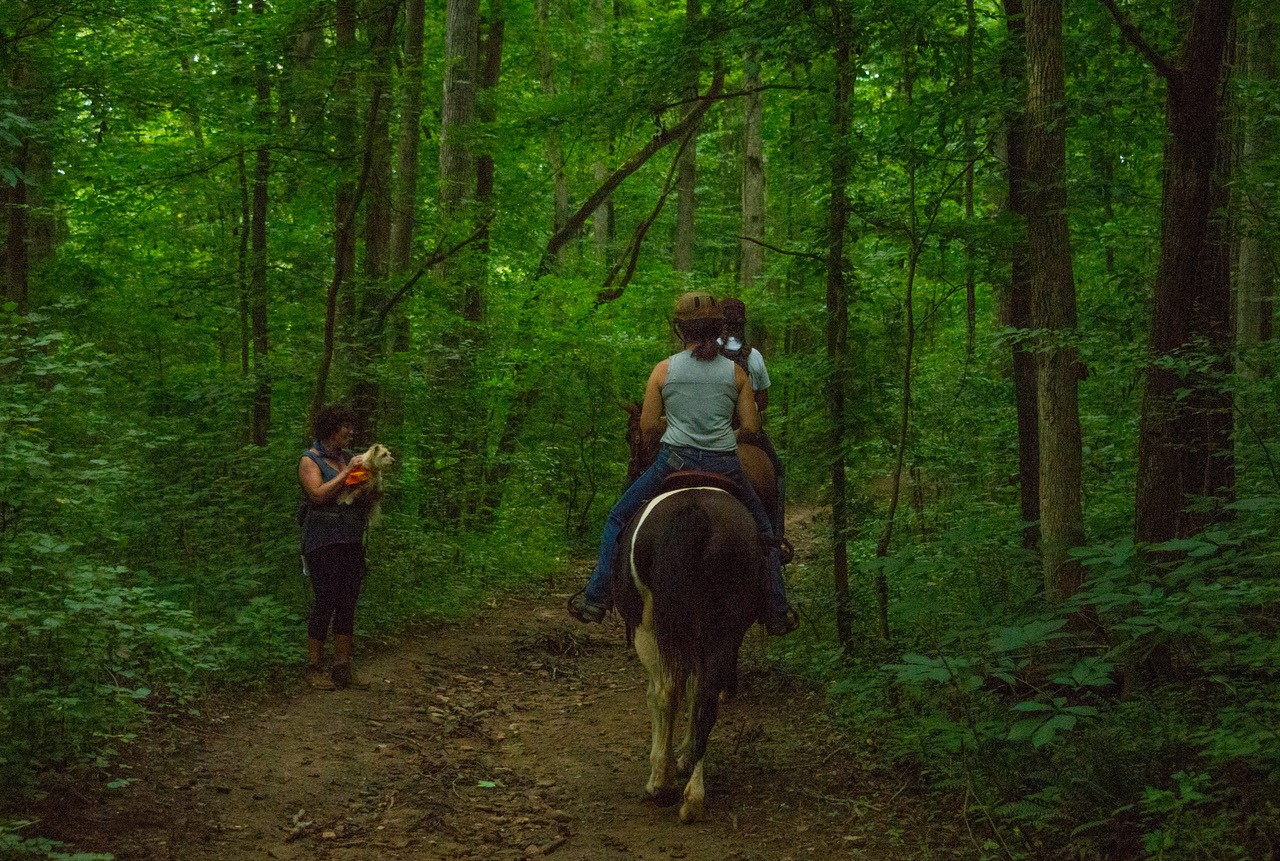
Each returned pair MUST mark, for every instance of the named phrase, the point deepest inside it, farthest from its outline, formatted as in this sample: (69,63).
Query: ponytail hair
(703,334)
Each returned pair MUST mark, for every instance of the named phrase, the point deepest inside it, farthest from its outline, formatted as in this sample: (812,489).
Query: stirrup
(785,551)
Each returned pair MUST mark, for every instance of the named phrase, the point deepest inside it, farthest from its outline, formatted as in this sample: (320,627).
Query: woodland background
(1012,267)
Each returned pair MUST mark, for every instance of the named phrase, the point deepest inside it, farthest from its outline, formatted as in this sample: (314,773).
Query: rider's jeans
(672,459)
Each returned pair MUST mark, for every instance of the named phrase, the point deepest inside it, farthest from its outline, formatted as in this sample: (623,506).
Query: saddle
(687,478)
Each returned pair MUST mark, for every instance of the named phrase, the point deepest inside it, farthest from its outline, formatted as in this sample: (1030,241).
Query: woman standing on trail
(332,547)
(699,390)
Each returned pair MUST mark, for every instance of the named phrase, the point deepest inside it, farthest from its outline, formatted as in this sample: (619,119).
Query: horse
(694,583)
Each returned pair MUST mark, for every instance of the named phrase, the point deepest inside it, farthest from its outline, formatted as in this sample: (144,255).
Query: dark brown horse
(694,583)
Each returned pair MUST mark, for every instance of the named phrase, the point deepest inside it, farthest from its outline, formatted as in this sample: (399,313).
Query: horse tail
(679,600)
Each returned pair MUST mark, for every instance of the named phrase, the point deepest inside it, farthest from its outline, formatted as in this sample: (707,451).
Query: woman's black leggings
(336,574)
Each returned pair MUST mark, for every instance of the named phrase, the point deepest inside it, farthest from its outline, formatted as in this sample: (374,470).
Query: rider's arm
(748,416)
(651,411)
(762,400)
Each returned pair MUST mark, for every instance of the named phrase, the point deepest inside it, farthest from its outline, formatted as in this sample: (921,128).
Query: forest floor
(517,734)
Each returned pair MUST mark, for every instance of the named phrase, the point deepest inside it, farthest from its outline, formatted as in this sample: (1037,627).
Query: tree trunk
(405,198)
(1053,302)
(751,266)
(369,347)
(490,73)
(1255,285)
(687,179)
(602,218)
(838,316)
(971,156)
(1024,364)
(258,272)
(457,163)
(1184,440)
(555,150)
(406,187)
(344,236)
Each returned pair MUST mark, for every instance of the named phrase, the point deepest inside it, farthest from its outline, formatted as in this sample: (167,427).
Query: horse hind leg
(663,703)
(705,712)
(684,753)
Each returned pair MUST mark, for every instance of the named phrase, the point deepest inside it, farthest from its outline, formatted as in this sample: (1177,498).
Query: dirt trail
(516,735)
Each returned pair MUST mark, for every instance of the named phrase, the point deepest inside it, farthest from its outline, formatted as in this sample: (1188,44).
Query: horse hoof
(690,813)
(664,797)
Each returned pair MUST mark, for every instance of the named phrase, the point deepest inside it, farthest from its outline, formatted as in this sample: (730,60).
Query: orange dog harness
(359,475)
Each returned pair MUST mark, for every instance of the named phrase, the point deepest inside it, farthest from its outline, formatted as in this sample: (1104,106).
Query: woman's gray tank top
(700,398)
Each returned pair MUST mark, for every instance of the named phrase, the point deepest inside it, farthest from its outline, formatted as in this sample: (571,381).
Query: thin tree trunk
(971,155)
(405,200)
(1255,289)
(1024,364)
(242,262)
(344,236)
(487,113)
(406,188)
(904,414)
(1053,302)
(838,317)
(258,273)
(751,266)
(369,346)
(602,217)
(687,178)
(555,150)
(1185,448)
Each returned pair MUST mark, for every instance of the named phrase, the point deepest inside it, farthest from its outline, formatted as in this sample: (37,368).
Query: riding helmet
(697,305)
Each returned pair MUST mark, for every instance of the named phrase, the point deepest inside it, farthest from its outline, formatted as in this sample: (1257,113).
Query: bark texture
(1053,302)
(1184,440)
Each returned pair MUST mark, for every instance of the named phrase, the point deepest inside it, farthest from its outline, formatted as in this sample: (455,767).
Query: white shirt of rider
(755,364)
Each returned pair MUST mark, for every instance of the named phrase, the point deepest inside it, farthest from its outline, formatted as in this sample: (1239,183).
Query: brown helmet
(735,310)
(697,305)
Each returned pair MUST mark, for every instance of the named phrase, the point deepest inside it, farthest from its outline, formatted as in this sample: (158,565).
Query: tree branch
(608,293)
(434,259)
(1163,67)
(575,222)
(807,254)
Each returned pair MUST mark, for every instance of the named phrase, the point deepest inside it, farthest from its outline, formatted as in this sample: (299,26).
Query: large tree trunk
(687,178)
(1019,305)
(838,315)
(461,47)
(1255,283)
(261,428)
(1184,440)
(1053,302)
(751,266)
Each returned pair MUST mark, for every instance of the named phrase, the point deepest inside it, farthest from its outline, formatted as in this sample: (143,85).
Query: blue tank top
(331,523)
(700,399)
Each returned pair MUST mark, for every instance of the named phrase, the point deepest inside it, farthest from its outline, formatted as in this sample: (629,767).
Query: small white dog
(367,477)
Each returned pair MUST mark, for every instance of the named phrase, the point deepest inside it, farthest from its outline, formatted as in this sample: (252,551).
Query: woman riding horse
(699,390)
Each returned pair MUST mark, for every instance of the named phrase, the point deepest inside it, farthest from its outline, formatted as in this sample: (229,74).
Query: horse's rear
(696,586)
